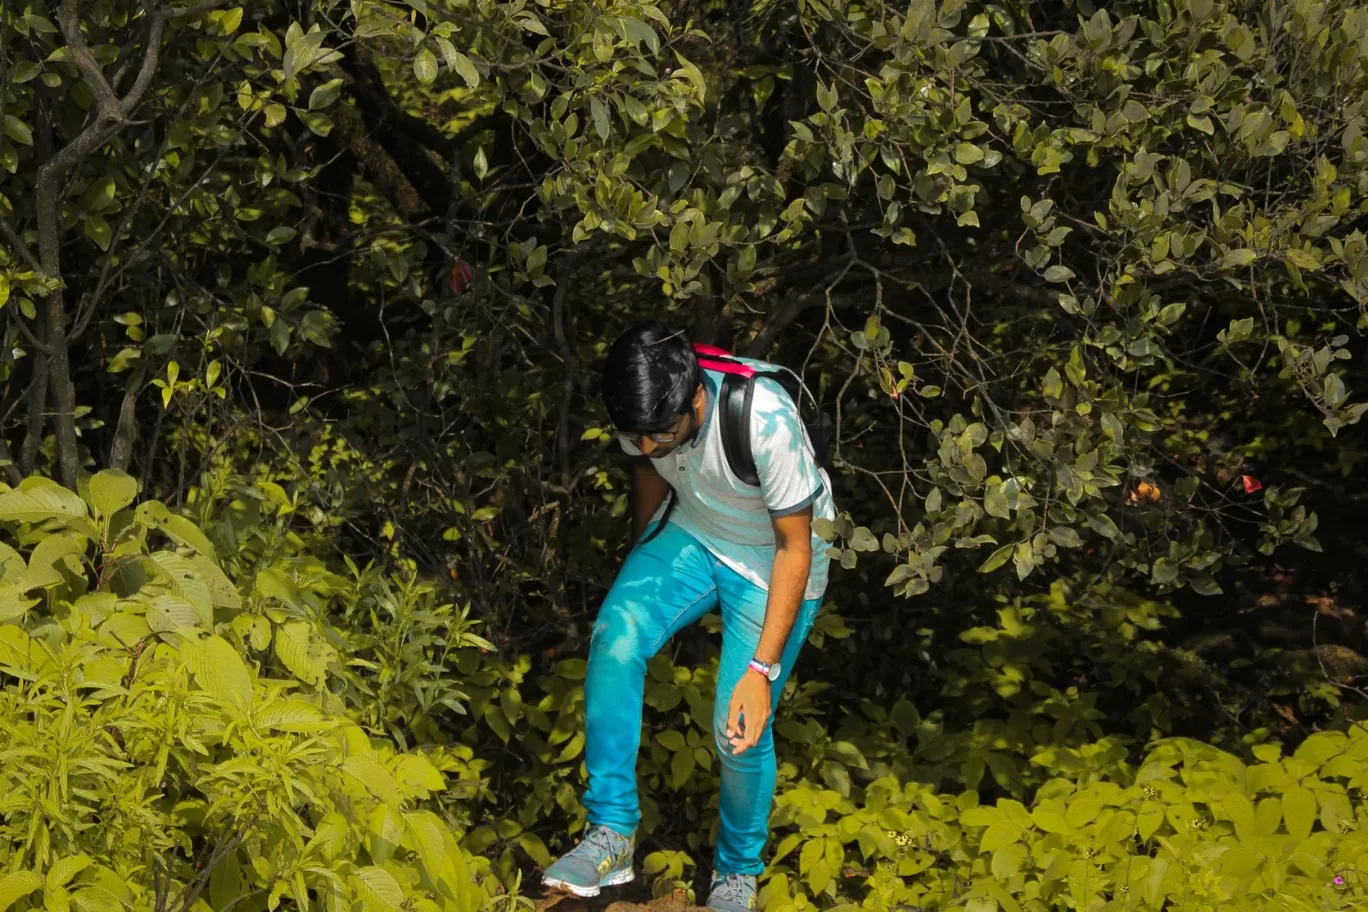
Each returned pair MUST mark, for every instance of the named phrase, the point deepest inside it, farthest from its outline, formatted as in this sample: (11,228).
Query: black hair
(650,377)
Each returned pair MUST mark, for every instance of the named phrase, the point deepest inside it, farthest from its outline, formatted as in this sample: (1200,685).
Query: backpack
(734,410)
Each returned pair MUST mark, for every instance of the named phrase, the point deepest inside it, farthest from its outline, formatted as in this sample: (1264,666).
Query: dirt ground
(618,899)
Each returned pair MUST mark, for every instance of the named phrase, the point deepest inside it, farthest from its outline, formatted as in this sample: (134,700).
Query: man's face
(658,444)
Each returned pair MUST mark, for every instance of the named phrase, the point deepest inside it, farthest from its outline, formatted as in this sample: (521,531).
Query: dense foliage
(310,499)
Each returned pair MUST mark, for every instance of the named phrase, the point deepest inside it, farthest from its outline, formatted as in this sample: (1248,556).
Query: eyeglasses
(669,436)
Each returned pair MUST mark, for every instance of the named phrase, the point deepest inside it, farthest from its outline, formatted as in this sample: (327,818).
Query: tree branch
(126,430)
(18,243)
(4,56)
(112,114)
(69,20)
(782,316)
(383,170)
(12,472)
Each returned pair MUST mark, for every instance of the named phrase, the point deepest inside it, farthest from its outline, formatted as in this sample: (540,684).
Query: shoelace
(602,839)
(735,888)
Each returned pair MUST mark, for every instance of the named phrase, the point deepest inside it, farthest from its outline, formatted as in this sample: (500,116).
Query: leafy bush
(1190,828)
(144,761)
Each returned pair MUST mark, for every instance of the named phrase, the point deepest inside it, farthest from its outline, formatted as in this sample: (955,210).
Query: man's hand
(750,698)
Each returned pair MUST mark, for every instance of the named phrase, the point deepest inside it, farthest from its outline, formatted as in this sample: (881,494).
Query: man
(747,550)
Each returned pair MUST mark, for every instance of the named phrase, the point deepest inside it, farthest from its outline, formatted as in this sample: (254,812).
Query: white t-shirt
(731,518)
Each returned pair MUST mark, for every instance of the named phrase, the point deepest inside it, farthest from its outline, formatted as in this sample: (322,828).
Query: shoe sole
(612,880)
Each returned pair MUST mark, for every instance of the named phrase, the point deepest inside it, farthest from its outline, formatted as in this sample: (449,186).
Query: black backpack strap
(670,501)
(736,396)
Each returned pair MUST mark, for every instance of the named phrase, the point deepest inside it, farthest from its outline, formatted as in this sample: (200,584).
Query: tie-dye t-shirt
(732,518)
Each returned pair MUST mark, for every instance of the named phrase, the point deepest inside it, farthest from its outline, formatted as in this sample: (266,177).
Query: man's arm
(788,581)
(648,493)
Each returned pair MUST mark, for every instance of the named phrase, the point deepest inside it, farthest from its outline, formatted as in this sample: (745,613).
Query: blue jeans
(666,584)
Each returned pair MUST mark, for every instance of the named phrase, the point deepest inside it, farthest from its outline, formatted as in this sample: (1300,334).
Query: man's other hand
(750,701)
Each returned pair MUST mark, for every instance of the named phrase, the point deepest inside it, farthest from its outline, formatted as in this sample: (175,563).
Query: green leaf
(1163,571)
(1201,122)
(378,890)
(1171,313)
(997,559)
(23,654)
(325,95)
(281,234)
(230,20)
(222,592)
(370,773)
(21,133)
(98,230)
(168,613)
(691,73)
(1049,817)
(66,550)
(999,835)
(425,66)
(385,829)
(1103,525)
(599,110)
(111,490)
(905,717)
(1065,537)
(99,194)
(430,839)
(272,583)
(459,63)
(1241,256)
(1203,583)
(671,741)
(1058,273)
(96,899)
(219,670)
(184,583)
(40,503)
(61,872)
(1299,811)
(14,887)
(293,647)
(183,531)
(682,765)
(995,503)
(864,540)
(968,153)
(982,816)
(1150,818)
(293,716)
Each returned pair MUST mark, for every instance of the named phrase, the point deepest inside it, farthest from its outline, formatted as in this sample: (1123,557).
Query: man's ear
(700,396)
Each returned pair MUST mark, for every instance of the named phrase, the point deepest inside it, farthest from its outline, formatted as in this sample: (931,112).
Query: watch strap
(766,670)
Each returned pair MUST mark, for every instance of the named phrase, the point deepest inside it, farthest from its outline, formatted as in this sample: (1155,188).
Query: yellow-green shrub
(145,764)
(1191,828)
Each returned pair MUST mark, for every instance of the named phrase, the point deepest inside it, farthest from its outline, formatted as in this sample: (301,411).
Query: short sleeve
(789,478)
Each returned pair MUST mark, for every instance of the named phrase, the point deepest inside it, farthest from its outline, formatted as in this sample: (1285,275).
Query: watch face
(774,672)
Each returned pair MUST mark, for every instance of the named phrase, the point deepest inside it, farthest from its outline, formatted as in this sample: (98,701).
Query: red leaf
(1251,484)
(461,274)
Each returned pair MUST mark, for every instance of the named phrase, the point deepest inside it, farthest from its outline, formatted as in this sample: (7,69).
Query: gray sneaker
(732,893)
(602,859)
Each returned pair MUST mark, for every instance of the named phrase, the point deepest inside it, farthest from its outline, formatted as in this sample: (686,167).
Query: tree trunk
(37,414)
(58,360)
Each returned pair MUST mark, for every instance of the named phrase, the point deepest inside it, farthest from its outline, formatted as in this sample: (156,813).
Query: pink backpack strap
(717,359)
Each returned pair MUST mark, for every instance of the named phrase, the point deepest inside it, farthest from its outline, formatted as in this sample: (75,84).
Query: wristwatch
(769,671)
